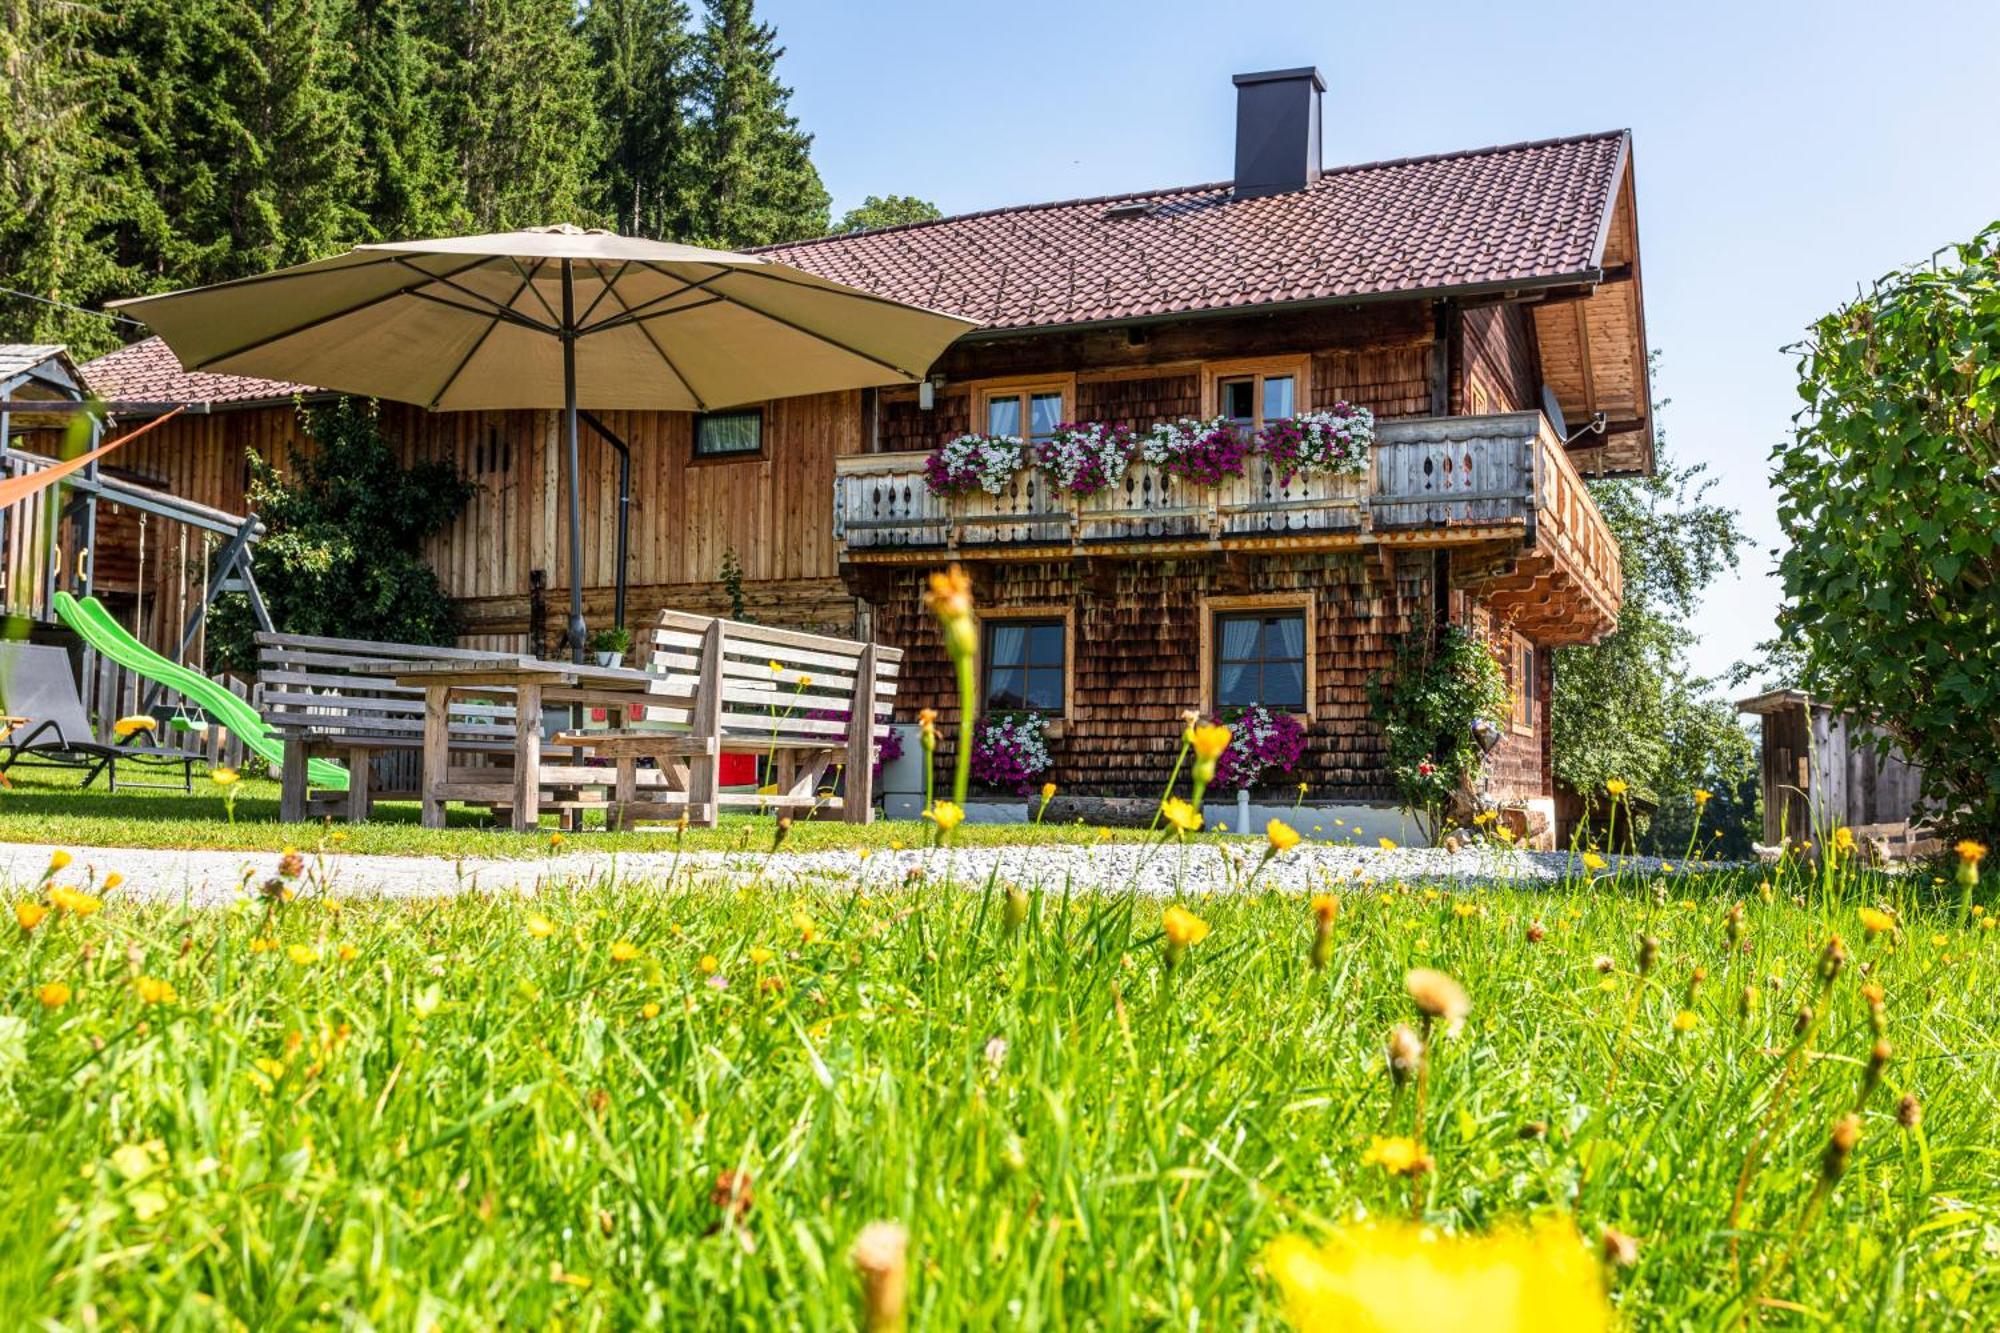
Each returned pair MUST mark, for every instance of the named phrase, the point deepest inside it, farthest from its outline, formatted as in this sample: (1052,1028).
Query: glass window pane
(1238,399)
(1045,690)
(1007,644)
(1045,645)
(1285,638)
(719,433)
(1006,688)
(1238,637)
(1284,685)
(1003,416)
(1277,397)
(1235,685)
(1044,415)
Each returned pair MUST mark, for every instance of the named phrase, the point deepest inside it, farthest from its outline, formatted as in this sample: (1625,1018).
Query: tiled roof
(148,372)
(1490,216)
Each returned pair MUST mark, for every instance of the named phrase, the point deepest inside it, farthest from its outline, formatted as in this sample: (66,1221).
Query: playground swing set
(43,717)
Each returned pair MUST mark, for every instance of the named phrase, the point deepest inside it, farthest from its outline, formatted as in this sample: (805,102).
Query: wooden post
(292,790)
(527,758)
(857,804)
(433,771)
(624,791)
(705,769)
(359,801)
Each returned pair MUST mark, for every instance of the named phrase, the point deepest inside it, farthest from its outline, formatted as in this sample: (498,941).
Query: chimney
(1277,131)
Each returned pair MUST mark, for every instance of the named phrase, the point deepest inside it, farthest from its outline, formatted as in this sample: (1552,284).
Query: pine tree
(412,186)
(752,181)
(59,191)
(232,116)
(644,54)
(522,110)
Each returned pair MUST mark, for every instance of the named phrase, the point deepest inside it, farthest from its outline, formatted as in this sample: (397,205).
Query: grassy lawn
(47,806)
(480,1112)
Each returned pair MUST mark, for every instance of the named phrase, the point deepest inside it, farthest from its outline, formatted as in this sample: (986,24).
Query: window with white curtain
(1024,666)
(1260,658)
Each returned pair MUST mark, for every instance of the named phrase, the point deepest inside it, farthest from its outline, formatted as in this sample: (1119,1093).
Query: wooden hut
(1825,769)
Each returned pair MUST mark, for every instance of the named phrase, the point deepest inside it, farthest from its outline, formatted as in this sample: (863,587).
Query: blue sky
(1784,151)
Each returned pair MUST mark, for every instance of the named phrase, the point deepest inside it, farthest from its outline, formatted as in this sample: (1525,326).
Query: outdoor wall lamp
(927,392)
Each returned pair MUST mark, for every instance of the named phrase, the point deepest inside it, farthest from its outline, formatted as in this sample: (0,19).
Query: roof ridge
(1454,155)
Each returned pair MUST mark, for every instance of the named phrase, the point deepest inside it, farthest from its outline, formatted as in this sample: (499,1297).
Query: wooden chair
(800,703)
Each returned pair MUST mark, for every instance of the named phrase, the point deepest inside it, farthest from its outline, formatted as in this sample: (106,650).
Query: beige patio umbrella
(552,317)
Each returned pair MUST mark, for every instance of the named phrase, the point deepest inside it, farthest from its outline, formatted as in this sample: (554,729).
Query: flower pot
(610,659)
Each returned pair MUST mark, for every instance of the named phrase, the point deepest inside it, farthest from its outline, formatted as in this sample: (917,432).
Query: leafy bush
(1889,497)
(343,550)
(1441,686)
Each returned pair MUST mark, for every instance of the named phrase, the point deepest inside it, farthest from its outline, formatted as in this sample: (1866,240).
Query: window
(1260,658)
(1024,665)
(1251,393)
(729,434)
(1030,415)
(1524,684)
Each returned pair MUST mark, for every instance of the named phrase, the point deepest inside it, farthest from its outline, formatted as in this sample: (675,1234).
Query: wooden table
(529,684)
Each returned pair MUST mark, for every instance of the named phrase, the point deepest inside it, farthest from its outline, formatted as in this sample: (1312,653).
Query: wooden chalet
(1486,306)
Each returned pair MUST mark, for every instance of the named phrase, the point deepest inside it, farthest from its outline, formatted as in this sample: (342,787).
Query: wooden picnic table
(529,684)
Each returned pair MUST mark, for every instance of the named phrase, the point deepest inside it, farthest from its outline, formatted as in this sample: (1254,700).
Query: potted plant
(611,645)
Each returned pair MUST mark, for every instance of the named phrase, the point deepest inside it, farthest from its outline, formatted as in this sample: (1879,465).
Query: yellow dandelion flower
(153,990)
(1685,1021)
(540,926)
(1282,836)
(759,955)
(1874,920)
(1209,741)
(1398,1155)
(1180,814)
(947,815)
(74,901)
(53,994)
(224,777)
(348,953)
(1702,796)
(1593,862)
(1183,927)
(1325,906)
(304,955)
(709,964)
(623,951)
(1369,1279)
(1616,786)
(649,1010)
(112,881)
(29,914)
(1387,844)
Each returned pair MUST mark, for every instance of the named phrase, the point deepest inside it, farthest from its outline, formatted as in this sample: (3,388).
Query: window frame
(698,458)
(1022,387)
(1302,603)
(1041,615)
(1524,664)
(1298,368)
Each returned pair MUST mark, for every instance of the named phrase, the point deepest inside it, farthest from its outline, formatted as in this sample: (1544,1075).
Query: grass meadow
(681,1103)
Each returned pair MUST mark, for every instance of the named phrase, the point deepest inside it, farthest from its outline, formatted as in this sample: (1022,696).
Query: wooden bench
(800,703)
(327,698)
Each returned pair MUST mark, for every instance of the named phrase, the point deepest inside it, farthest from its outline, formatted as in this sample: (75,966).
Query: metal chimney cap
(1283,75)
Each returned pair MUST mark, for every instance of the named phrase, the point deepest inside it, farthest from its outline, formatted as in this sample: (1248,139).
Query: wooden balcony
(1502,482)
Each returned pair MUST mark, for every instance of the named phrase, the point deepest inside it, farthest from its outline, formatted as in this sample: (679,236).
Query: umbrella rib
(632,314)
(529,278)
(473,350)
(314,323)
(700,404)
(584,319)
(506,311)
(490,310)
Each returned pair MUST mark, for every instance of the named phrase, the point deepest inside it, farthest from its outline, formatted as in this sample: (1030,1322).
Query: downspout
(624,509)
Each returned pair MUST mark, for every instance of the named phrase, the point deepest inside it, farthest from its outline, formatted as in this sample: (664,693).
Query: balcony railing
(1448,474)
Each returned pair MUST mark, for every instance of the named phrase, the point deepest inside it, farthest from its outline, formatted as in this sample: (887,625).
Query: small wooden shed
(1823,770)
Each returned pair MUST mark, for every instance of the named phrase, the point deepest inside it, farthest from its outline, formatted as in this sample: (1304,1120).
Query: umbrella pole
(576,627)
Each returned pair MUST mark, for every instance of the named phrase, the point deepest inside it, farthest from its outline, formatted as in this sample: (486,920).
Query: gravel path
(207,877)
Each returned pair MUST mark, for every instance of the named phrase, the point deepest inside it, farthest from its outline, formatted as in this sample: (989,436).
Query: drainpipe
(624,509)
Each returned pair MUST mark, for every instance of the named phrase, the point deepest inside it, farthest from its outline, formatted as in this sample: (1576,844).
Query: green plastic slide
(98,629)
